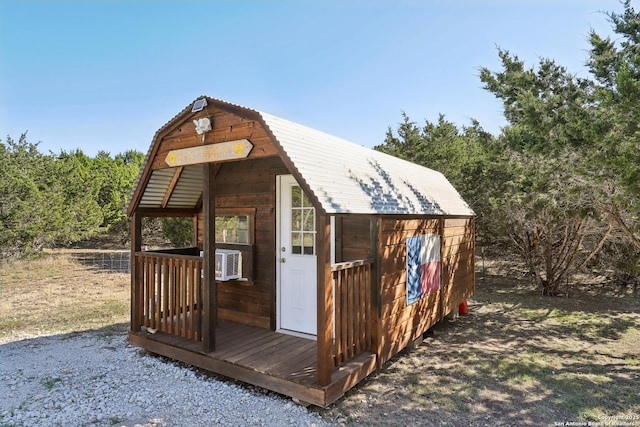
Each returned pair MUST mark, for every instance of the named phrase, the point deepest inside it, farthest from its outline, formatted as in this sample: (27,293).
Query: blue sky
(106,75)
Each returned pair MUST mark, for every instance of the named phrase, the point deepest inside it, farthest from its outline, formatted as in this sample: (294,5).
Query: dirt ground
(516,358)
(65,291)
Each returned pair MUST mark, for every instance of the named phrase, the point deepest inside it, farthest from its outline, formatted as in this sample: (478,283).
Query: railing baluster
(183,308)
(178,292)
(357,285)
(338,298)
(144,302)
(138,283)
(171,295)
(366,301)
(157,297)
(150,303)
(345,314)
(361,314)
(189,302)
(348,296)
(162,298)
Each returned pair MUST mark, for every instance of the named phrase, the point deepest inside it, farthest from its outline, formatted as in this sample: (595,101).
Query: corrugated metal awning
(186,192)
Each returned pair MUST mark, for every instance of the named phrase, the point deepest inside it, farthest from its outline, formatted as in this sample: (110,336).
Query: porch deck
(278,362)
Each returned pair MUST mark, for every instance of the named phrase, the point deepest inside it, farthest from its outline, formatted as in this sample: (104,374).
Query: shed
(314,260)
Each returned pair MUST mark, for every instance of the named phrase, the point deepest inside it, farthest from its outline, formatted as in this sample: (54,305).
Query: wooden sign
(229,150)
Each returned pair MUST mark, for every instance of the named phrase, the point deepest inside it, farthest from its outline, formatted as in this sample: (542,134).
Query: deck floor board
(278,348)
(259,349)
(261,354)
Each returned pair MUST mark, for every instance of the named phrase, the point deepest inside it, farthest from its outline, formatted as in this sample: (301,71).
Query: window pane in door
(309,220)
(296,220)
(303,226)
(296,196)
(309,243)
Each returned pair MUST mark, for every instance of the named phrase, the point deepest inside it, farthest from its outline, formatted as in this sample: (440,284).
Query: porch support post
(444,288)
(210,297)
(135,228)
(375,316)
(324,300)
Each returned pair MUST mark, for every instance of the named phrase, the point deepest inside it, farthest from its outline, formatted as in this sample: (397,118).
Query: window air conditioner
(228,264)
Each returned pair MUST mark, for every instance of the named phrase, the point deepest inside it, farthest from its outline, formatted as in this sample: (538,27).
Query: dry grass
(58,294)
(516,359)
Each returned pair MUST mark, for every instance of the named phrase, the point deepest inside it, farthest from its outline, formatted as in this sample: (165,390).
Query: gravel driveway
(98,379)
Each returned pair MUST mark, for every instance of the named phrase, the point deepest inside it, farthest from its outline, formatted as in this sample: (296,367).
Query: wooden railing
(353,317)
(169,293)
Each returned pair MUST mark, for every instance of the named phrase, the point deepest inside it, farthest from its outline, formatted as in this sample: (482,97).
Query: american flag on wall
(423,266)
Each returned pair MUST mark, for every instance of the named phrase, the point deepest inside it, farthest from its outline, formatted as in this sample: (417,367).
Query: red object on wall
(462,308)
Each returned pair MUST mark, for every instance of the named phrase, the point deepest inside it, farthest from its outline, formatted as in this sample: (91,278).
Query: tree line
(57,199)
(560,184)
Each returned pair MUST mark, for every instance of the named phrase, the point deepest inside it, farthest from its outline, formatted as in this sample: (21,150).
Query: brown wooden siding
(458,258)
(353,239)
(250,184)
(401,323)
(227,126)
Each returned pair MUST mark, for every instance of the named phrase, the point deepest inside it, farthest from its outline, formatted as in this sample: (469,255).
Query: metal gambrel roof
(344,177)
(348,178)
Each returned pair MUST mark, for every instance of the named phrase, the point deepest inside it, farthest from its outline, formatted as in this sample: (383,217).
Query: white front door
(296,258)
